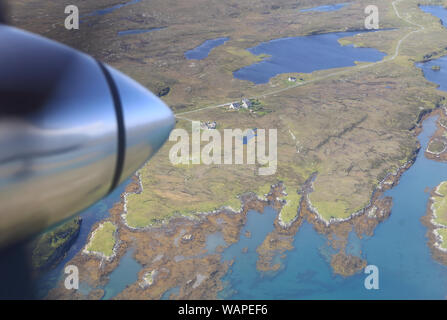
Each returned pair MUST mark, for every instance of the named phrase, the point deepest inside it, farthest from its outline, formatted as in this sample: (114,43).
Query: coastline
(363,222)
(439,135)
(434,238)
(159,249)
(336,230)
(429,219)
(391,179)
(45,254)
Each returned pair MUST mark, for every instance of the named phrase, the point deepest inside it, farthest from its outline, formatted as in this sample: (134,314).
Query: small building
(246,103)
(208,125)
(235,106)
(292,79)
(212,125)
(187,238)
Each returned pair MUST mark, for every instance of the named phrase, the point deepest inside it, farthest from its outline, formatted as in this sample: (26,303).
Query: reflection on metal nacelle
(71,130)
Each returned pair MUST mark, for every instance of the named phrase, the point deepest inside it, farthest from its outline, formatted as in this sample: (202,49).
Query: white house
(246,103)
(292,79)
(210,125)
(235,106)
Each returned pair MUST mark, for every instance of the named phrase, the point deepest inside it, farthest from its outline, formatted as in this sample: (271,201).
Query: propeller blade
(3,13)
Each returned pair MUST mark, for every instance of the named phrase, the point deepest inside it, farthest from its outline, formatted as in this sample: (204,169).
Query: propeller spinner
(71,130)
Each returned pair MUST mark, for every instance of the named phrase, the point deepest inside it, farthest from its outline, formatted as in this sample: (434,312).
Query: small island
(102,241)
(51,247)
(436,68)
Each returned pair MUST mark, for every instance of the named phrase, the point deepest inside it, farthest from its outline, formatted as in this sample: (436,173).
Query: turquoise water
(305,54)
(202,51)
(90,216)
(125,274)
(398,248)
(326,8)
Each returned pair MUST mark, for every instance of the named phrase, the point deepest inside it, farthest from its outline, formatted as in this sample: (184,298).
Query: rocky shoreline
(434,238)
(101,255)
(178,263)
(50,248)
(281,239)
(185,264)
(337,231)
(440,137)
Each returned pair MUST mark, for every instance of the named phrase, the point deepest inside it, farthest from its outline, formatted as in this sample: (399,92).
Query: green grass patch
(443,233)
(336,209)
(152,207)
(103,240)
(290,209)
(259,107)
(440,204)
(264,189)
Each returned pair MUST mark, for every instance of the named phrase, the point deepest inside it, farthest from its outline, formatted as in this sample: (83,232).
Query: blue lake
(437,11)
(438,77)
(138,31)
(305,55)
(202,51)
(102,12)
(326,8)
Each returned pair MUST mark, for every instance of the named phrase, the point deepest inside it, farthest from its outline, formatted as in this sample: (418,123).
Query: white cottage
(235,106)
(246,103)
